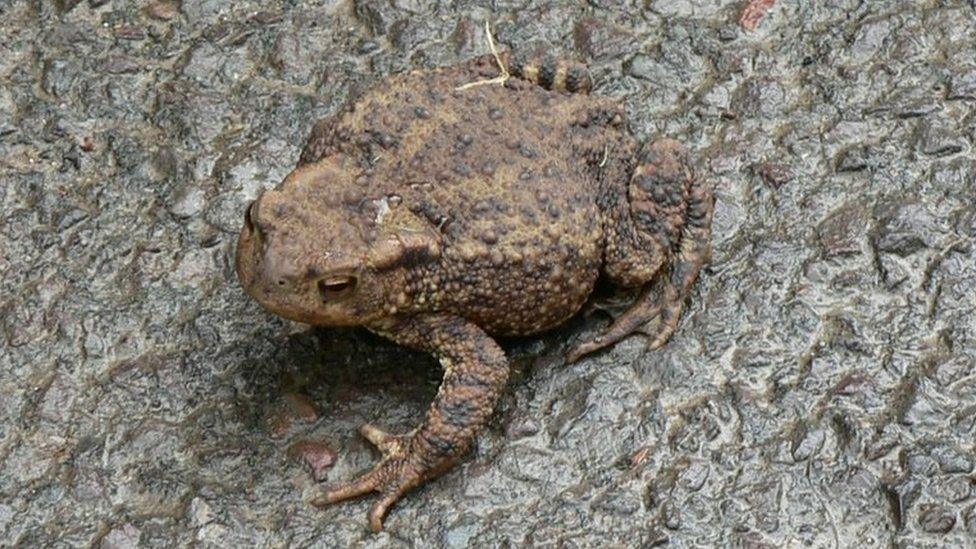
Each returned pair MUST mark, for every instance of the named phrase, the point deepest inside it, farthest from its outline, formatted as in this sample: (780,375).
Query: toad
(443,208)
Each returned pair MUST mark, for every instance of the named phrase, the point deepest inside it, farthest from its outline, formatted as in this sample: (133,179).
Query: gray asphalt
(820,391)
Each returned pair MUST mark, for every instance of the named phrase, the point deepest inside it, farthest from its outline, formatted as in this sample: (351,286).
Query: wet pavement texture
(820,391)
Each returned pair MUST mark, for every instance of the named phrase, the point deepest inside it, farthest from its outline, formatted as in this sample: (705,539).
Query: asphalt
(820,391)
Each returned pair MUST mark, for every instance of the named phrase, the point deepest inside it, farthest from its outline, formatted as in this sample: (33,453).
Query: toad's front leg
(475,372)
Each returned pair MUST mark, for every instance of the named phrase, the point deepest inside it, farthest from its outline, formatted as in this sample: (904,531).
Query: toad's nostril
(281,282)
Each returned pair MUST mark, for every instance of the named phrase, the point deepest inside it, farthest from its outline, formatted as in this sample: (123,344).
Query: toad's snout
(258,264)
(279,272)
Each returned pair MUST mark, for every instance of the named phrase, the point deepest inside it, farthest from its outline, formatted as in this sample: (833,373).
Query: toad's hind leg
(550,72)
(665,221)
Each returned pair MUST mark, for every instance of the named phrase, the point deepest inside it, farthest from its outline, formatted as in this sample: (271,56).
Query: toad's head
(327,248)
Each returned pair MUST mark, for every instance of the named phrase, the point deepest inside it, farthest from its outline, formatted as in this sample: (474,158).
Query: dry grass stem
(503,77)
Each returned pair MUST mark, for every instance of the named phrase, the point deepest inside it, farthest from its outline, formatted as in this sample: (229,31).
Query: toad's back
(501,171)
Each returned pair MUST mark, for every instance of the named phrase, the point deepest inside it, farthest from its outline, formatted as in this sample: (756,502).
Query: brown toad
(440,214)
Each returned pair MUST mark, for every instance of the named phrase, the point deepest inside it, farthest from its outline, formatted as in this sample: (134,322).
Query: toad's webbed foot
(654,314)
(396,473)
(475,372)
(668,223)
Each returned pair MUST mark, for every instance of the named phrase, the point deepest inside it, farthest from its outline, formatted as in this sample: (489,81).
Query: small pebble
(163,11)
(315,455)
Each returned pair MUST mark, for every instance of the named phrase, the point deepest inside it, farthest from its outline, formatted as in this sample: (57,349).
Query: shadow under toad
(350,375)
(322,384)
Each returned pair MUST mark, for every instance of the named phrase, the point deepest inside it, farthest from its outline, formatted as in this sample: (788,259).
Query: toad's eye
(337,287)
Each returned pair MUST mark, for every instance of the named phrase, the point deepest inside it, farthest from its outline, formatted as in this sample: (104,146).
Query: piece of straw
(500,79)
